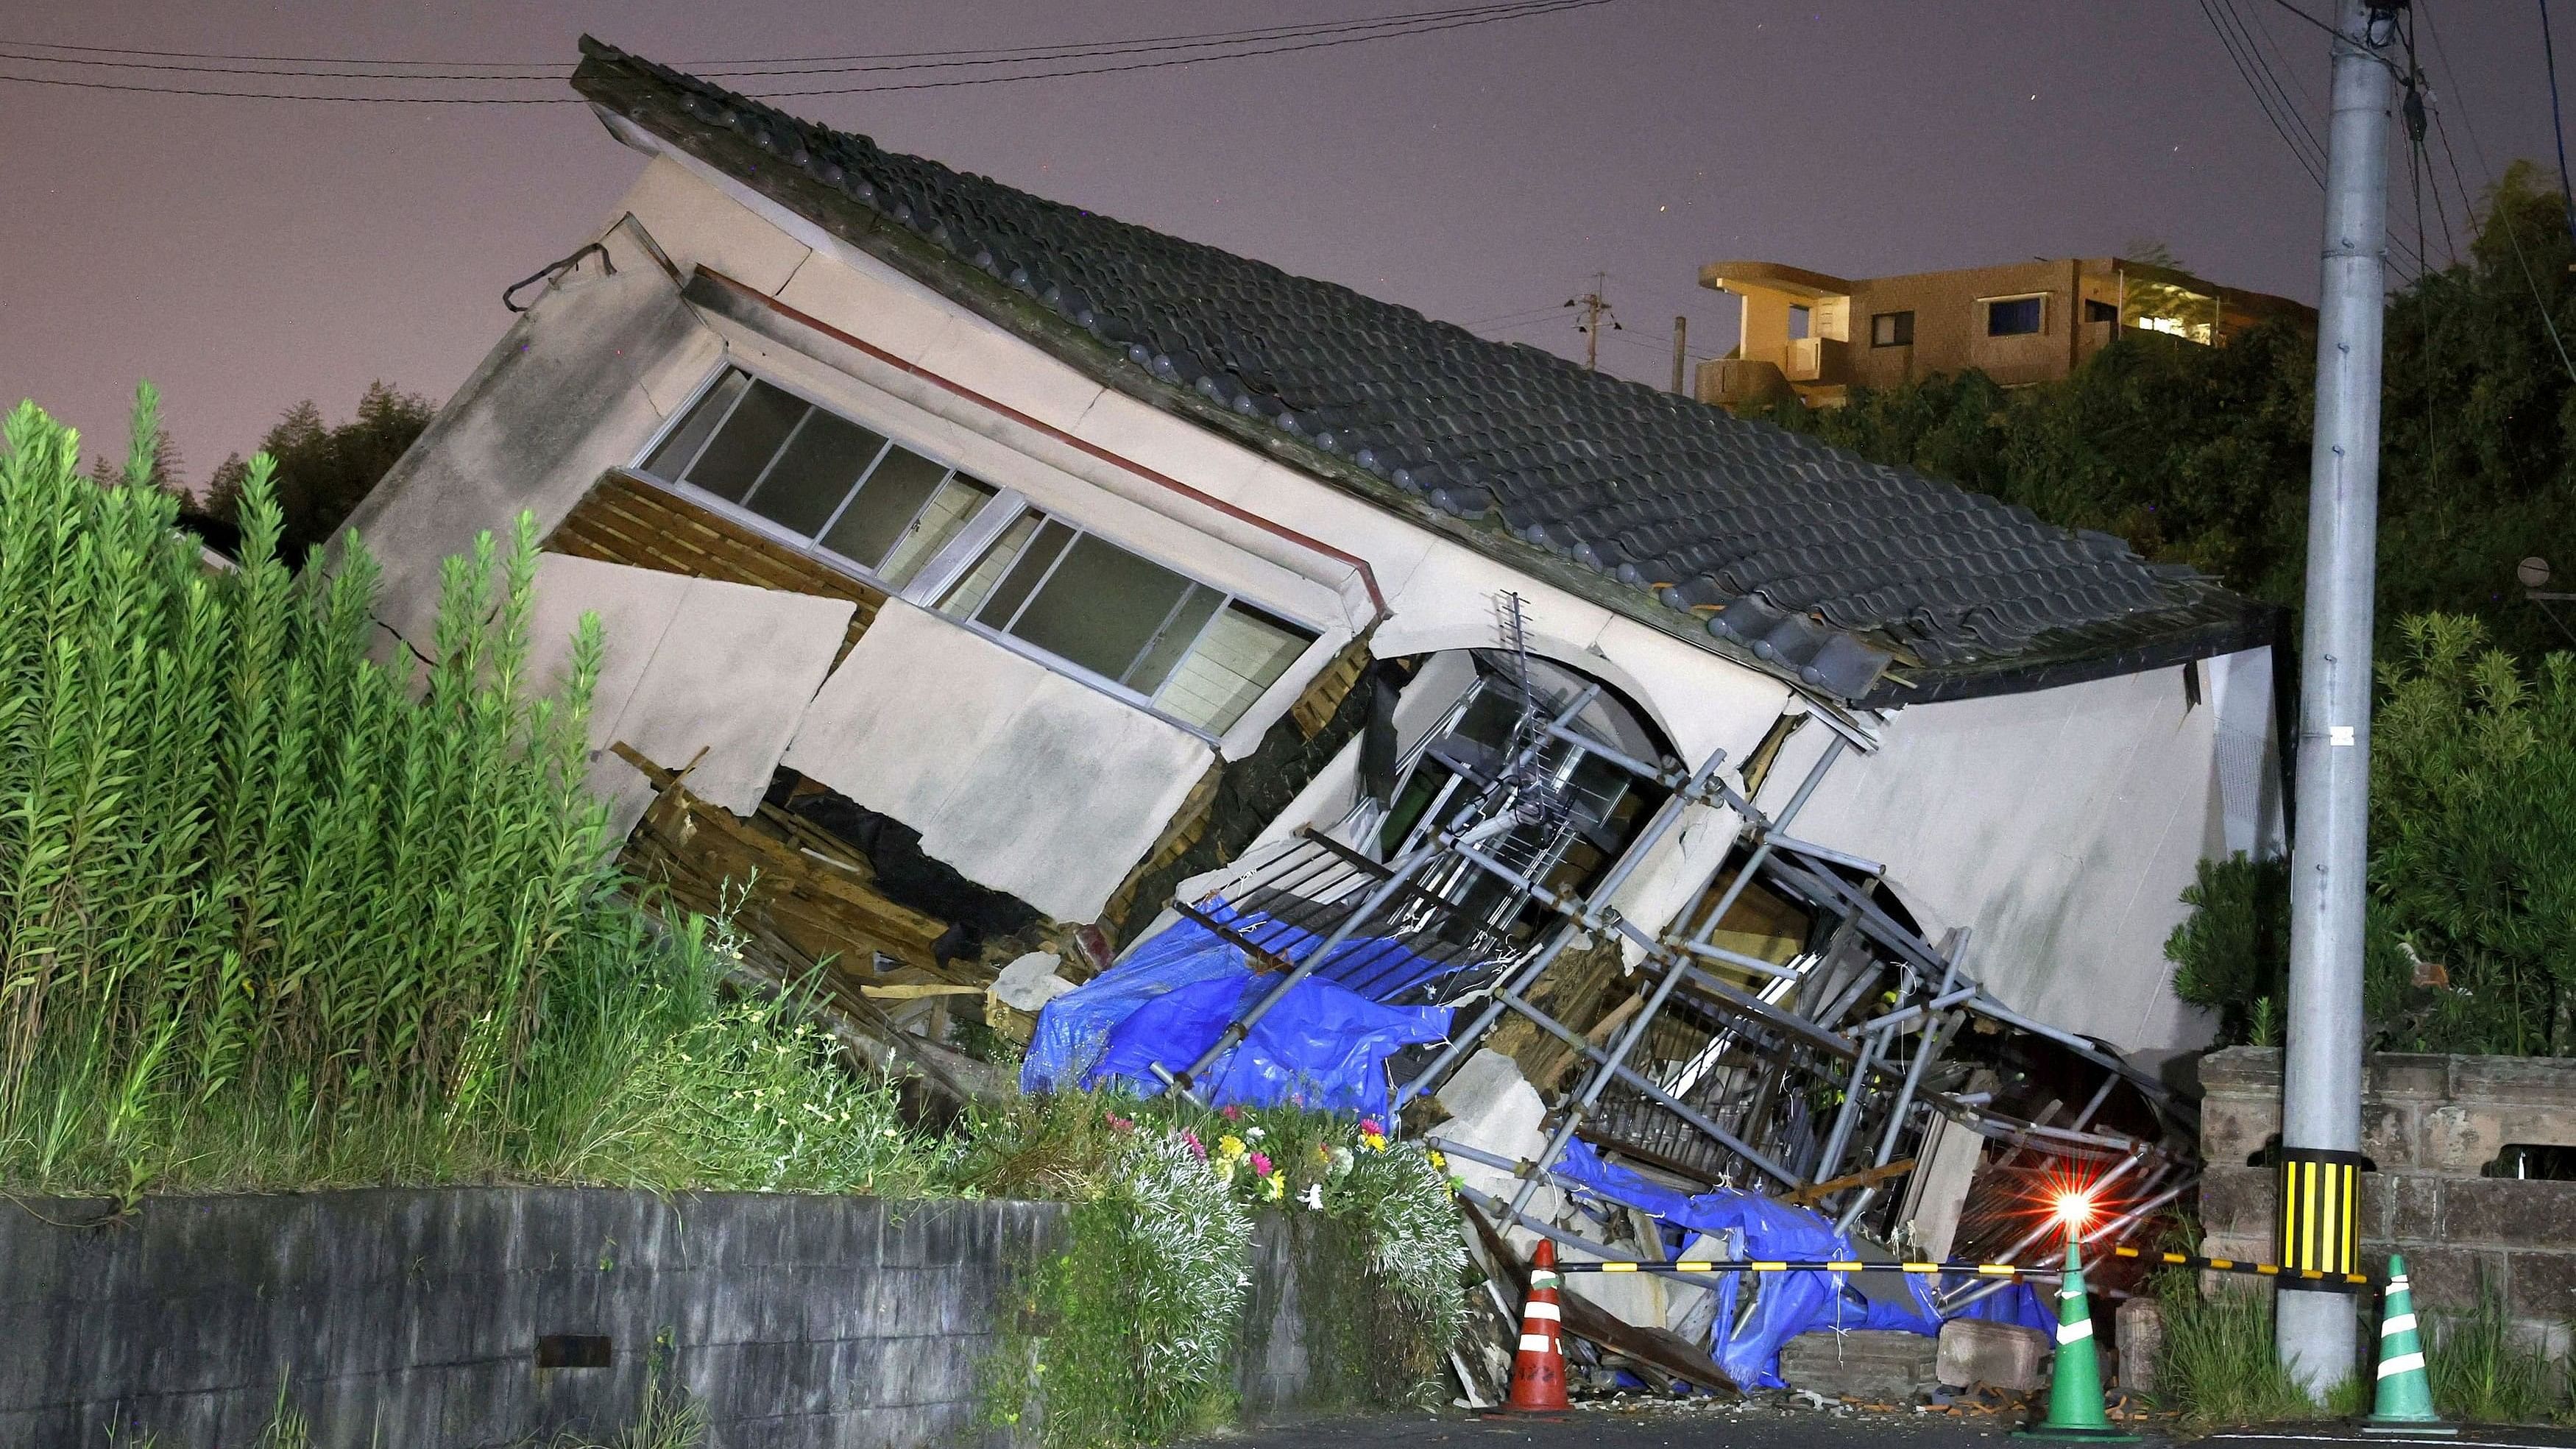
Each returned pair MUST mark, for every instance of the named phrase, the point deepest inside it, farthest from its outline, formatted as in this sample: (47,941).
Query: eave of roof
(675,110)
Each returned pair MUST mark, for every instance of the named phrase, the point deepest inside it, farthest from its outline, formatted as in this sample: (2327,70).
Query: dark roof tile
(1645,487)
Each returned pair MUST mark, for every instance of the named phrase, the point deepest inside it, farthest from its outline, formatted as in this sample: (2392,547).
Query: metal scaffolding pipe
(1576,1110)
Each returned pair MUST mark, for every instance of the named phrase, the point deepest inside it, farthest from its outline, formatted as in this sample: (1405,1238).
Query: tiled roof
(1818,562)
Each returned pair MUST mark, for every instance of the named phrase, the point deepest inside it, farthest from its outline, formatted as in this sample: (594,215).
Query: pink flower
(1371,1124)
(1261,1164)
(1121,1124)
(1198,1149)
(1230,1112)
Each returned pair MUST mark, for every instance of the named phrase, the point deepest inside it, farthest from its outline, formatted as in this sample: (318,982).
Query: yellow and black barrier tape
(1976,1270)
(1803,1265)
(2260,1270)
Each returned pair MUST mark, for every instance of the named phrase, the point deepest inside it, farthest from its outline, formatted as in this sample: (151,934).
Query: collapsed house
(990,584)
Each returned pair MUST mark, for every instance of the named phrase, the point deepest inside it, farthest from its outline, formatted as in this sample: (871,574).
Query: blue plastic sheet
(1322,1046)
(1789,1303)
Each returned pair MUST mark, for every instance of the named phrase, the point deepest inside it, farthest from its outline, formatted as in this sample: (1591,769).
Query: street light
(2533,574)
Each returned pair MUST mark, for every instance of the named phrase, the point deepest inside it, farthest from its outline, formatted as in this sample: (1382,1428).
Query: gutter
(730,293)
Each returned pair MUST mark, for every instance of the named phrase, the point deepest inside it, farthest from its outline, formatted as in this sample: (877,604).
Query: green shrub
(2232,953)
(1136,1319)
(2469,942)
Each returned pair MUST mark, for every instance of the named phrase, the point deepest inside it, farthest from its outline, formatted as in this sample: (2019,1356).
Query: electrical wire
(2279,112)
(2557,130)
(2418,108)
(2504,214)
(1524,10)
(2270,79)
(14,49)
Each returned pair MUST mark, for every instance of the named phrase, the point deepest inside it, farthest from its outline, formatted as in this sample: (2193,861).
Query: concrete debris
(1030,982)
(1862,1363)
(2006,1355)
(2141,1335)
(1496,1111)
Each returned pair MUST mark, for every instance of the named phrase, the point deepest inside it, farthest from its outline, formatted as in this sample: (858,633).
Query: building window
(833,483)
(1891,329)
(1192,652)
(1801,323)
(2097,310)
(2014,316)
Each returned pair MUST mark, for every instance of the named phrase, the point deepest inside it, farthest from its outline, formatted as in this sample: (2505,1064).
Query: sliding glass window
(1192,652)
(815,474)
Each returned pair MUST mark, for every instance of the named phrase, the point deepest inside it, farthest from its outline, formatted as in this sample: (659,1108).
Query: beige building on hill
(1814,337)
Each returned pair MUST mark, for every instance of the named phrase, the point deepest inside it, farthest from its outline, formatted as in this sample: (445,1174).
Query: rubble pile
(1789,1071)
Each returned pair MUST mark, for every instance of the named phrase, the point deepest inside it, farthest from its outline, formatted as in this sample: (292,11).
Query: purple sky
(245,254)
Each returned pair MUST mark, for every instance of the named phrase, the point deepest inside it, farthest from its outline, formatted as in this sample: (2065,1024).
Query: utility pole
(2321,1066)
(1681,349)
(1595,307)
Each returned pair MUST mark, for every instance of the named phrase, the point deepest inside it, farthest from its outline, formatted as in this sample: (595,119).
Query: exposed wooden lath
(777,874)
(625,519)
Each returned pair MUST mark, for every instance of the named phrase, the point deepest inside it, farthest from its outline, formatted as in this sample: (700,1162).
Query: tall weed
(274,914)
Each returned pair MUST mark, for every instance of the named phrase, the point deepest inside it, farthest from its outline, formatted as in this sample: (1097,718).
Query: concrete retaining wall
(2430,1124)
(401,1317)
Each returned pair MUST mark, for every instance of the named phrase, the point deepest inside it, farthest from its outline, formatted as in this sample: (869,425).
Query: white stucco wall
(573,388)
(1440,594)
(690,665)
(2062,825)
(1019,777)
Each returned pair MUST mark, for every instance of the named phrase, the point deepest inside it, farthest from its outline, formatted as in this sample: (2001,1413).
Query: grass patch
(2220,1366)
(2481,1376)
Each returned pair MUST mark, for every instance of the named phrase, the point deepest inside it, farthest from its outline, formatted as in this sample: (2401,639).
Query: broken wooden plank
(1819,1191)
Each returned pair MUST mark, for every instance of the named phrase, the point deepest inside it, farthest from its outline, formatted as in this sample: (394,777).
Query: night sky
(245,254)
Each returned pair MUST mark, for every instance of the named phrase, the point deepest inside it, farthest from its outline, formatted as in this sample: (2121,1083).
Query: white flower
(1313,1196)
(1255,1133)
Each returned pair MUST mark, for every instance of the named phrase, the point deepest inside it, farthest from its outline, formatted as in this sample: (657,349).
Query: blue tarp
(1322,1046)
(1789,1303)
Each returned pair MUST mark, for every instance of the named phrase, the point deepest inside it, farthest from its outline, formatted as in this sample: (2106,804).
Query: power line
(1527,9)
(2271,79)
(2273,99)
(2419,102)
(2502,213)
(249,65)
(2557,131)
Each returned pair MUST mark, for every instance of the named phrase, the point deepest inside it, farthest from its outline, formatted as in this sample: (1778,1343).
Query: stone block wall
(413,1317)
(2429,1124)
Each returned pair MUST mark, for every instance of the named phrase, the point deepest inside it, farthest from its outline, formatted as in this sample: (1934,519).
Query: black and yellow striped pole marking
(2320,1218)
(2347,1282)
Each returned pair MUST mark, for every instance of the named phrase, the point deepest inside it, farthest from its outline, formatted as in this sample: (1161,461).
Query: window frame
(950,564)
(1907,328)
(811,545)
(1117,689)
(1986,306)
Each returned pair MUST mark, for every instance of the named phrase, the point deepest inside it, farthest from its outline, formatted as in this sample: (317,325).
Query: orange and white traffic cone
(1538,1369)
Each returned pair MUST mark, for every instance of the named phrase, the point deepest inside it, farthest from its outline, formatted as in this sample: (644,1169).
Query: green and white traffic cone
(2404,1403)
(2075,1384)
